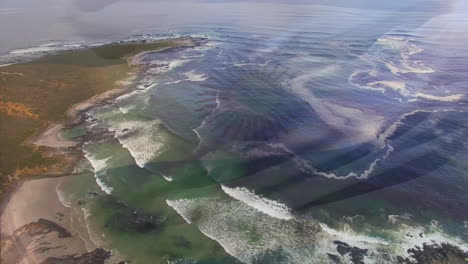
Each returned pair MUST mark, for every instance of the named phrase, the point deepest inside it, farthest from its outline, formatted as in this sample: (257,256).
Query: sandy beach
(32,201)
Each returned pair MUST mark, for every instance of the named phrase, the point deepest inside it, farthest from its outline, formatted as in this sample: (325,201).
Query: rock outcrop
(435,254)
(357,254)
(46,242)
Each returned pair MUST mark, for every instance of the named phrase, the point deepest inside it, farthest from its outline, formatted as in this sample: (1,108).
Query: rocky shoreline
(45,242)
(428,254)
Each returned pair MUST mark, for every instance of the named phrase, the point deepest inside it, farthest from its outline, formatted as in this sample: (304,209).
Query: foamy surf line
(142,139)
(262,204)
(180,206)
(98,165)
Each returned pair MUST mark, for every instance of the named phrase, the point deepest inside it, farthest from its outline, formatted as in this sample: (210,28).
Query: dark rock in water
(334,258)
(93,194)
(98,256)
(127,219)
(357,254)
(435,254)
(342,247)
(134,221)
(182,242)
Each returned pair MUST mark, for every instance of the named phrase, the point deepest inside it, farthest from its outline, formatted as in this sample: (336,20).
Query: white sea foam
(401,88)
(12,73)
(48,47)
(363,175)
(168,178)
(397,66)
(352,237)
(398,86)
(408,67)
(192,76)
(398,241)
(183,261)
(262,204)
(182,208)
(416,236)
(242,64)
(103,186)
(447,98)
(390,130)
(246,233)
(33,50)
(406,49)
(99,166)
(202,125)
(127,108)
(61,197)
(143,140)
(394,219)
(160,66)
(195,77)
(400,44)
(307,167)
(96,239)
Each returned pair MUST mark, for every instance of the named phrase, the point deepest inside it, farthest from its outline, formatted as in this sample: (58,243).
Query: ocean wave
(262,204)
(97,238)
(99,166)
(250,235)
(168,178)
(352,237)
(246,233)
(182,207)
(144,140)
(417,236)
(48,47)
(403,236)
(61,197)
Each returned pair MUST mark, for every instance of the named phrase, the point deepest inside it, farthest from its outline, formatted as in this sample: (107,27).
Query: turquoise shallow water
(290,129)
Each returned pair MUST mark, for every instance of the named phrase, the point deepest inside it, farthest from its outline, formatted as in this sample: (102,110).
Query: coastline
(32,200)
(49,140)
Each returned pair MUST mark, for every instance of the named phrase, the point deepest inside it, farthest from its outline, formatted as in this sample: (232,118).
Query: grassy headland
(36,94)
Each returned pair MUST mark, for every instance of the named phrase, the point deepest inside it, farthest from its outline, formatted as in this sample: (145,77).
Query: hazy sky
(28,23)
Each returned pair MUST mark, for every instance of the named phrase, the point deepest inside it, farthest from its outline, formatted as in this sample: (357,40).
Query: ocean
(293,128)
